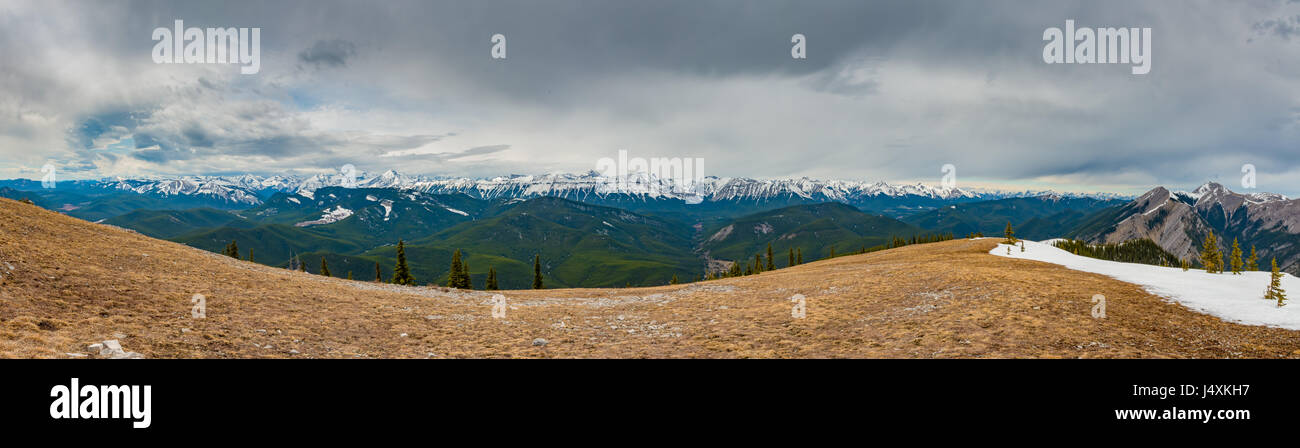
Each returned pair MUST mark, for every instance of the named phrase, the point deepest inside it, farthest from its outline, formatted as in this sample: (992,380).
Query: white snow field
(1233,298)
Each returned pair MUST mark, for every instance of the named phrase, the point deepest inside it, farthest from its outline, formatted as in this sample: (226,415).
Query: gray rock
(540,342)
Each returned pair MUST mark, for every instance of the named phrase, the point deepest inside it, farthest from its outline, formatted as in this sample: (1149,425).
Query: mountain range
(594,233)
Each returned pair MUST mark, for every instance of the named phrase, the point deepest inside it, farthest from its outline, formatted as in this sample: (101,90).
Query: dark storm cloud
(890,89)
(333,53)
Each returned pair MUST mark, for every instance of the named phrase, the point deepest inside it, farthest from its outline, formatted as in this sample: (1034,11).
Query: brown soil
(74,283)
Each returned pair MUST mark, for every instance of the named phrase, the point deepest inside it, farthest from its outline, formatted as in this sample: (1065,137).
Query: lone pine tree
(1235,258)
(790,260)
(457,276)
(798,256)
(402,272)
(1010,234)
(771,265)
(673,281)
(379,276)
(537,272)
(1252,263)
(324,267)
(250,255)
(1274,290)
(1210,255)
(491,280)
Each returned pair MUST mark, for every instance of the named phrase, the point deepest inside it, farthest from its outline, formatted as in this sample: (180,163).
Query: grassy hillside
(66,283)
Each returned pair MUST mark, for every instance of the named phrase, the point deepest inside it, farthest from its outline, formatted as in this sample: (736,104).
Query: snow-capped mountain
(251,190)
(1180,220)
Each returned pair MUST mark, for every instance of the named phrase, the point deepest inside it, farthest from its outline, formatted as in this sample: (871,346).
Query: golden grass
(75,283)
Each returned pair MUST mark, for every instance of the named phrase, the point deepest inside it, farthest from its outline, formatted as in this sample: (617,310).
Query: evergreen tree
(1274,290)
(832,252)
(537,272)
(1185,265)
(735,270)
(491,280)
(1235,258)
(674,280)
(758,263)
(302,267)
(1210,253)
(349,275)
(379,276)
(465,278)
(1252,263)
(250,255)
(771,264)
(324,267)
(232,250)
(1010,234)
(402,272)
(458,276)
(798,256)
(790,261)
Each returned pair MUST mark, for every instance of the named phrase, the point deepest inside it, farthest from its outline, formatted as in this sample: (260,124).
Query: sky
(889,91)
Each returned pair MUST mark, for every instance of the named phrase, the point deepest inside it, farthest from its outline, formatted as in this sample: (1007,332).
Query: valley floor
(65,283)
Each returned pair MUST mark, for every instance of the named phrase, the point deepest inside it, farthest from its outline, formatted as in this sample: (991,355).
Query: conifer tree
(1184,264)
(1235,258)
(457,276)
(537,272)
(771,264)
(1274,290)
(302,267)
(324,267)
(379,276)
(1252,263)
(1010,234)
(349,275)
(790,261)
(798,256)
(735,270)
(832,252)
(491,280)
(250,255)
(402,272)
(464,275)
(758,263)
(1210,253)
(673,281)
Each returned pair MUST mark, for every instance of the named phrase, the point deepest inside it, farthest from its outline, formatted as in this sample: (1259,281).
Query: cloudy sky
(889,91)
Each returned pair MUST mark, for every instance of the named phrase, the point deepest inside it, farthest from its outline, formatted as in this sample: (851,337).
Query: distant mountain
(1034,218)
(813,229)
(637,192)
(1179,222)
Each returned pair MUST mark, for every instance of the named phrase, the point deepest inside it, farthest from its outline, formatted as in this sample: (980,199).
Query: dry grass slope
(73,282)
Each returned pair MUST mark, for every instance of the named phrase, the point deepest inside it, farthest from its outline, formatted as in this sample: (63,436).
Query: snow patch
(1233,298)
(458,212)
(295,201)
(329,217)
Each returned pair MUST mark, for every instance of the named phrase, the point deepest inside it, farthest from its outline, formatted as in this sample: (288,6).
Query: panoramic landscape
(728,179)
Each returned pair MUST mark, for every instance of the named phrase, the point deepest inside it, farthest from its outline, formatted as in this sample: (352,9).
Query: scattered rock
(119,336)
(76,355)
(539,342)
(112,349)
(402,335)
(185,330)
(294,352)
